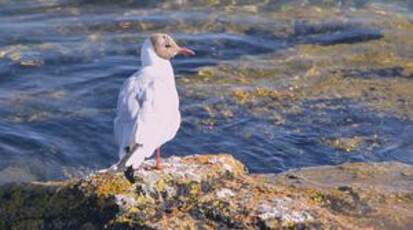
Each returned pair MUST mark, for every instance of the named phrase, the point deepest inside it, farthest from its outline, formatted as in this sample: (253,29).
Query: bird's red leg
(158,159)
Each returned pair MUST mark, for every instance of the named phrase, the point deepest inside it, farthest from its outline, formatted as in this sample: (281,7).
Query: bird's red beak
(185,51)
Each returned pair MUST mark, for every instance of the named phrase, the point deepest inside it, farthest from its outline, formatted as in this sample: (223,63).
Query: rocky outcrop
(216,192)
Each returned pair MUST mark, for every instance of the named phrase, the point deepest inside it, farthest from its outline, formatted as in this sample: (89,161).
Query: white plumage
(147,109)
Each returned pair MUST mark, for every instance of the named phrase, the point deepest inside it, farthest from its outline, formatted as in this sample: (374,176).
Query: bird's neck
(150,58)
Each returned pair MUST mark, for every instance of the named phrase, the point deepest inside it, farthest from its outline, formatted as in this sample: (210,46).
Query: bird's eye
(168,45)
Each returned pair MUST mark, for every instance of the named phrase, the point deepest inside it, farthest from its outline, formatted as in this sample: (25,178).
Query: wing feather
(134,120)
(131,101)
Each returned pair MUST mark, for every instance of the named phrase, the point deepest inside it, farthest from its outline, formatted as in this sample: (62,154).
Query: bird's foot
(129,174)
(157,167)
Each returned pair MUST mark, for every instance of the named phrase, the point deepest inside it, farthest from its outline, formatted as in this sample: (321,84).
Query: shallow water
(62,63)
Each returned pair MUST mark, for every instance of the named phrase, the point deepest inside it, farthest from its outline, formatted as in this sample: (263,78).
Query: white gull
(148,105)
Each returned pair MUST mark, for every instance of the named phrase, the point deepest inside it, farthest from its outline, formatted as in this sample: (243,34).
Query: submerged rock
(216,192)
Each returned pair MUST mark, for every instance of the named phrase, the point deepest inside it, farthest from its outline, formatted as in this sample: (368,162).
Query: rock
(223,193)
(216,192)
(286,210)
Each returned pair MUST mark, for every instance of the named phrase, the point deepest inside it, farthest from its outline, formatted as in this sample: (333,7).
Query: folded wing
(132,125)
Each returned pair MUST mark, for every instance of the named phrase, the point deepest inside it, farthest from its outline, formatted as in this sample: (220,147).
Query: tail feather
(137,157)
(133,157)
(125,156)
(121,165)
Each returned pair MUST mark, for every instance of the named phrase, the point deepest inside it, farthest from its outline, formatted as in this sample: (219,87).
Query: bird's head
(165,46)
(160,48)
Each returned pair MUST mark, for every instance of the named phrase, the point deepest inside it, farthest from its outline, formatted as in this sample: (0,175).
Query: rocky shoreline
(217,192)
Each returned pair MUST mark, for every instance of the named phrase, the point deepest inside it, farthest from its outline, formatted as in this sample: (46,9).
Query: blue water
(62,63)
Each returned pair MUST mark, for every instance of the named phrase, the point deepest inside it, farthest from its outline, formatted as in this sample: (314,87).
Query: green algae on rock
(216,192)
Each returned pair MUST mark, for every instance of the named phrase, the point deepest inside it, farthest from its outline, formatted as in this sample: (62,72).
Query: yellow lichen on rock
(109,184)
(215,192)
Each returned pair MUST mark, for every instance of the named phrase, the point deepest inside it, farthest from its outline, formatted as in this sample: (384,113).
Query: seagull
(148,104)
